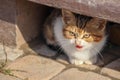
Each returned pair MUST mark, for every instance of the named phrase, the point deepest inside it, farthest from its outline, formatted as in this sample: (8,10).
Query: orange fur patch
(69,32)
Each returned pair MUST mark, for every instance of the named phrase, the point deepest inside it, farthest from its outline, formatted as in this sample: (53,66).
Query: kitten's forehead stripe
(82,21)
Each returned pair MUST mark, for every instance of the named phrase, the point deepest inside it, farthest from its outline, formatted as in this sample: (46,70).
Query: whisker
(99,53)
(62,40)
(59,50)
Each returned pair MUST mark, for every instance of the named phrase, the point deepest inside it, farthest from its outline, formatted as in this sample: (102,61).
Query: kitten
(81,37)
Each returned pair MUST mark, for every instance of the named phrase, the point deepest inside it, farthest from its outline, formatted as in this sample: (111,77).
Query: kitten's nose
(77,42)
(78,45)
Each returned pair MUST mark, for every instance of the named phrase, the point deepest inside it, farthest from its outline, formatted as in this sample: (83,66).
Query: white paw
(88,62)
(76,62)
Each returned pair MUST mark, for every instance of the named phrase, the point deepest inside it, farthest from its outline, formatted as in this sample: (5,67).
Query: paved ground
(43,67)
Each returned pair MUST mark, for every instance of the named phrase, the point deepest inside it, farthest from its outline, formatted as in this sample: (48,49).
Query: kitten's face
(80,32)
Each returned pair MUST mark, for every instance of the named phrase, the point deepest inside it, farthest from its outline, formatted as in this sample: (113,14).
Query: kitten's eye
(71,33)
(86,36)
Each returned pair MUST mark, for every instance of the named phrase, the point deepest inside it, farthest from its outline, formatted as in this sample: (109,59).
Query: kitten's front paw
(91,61)
(88,62)
(76,62)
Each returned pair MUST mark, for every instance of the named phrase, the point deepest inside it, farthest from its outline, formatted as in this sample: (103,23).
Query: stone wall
(20,21)
(7,22)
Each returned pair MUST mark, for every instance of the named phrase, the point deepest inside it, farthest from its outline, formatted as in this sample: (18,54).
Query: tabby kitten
(81,37)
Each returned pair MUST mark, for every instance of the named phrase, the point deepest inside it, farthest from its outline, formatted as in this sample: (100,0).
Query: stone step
(75,74)
(112,69)
(7,77)
(35,68)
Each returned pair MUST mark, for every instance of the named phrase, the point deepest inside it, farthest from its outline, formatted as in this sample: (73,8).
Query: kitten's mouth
(79,46)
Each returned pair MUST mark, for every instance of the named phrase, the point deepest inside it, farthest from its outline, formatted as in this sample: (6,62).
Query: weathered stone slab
(35,68)
(75,74)
(112,69)
(7,77)
(12,54)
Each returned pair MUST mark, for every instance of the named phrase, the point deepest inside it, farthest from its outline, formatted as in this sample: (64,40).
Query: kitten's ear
(99,23)
(68,17)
